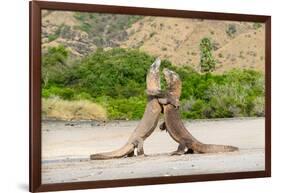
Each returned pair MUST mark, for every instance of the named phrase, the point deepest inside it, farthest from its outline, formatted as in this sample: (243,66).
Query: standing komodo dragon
(148,122)
(174,125)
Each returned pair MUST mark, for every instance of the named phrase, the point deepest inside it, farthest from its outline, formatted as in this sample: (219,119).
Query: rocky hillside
(235,44)
(83,33)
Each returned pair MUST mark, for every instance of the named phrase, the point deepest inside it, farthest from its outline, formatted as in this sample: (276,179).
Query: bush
(226,100)
(52,37)
(64,93)
(54,65)
(194,109)
(257,25)
(56,34)
(82,96)
(207,61)
(233,94)
(124,108)
(258,109)
(231,30)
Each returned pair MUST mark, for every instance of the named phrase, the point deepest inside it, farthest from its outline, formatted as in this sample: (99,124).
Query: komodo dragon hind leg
(180,150)
(140,150)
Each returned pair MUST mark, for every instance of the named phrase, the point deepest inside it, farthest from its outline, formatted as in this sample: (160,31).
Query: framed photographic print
(106,81)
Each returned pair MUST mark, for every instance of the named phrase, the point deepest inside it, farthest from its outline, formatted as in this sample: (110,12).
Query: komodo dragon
(148,122)
(174,125)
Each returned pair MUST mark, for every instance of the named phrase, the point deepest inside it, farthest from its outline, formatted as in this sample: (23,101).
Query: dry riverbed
(66,147)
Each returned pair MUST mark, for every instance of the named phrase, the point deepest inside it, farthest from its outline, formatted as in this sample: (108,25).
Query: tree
(207,61)
(53,63)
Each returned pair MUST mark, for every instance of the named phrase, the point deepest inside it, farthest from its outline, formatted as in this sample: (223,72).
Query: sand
(66,147)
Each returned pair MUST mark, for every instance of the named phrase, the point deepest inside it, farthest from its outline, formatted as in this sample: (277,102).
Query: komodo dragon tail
(212,148)
(123,151)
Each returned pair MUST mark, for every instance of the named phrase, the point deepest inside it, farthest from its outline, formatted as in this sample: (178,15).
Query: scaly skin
(148,122)
(174,125)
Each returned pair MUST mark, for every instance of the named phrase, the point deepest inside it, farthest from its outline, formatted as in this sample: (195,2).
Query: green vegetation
(56,34)
(52,37)
(115,80)
(207,61)
(236,93)
(123,108)
(257,25)
(231,30)
(54,64)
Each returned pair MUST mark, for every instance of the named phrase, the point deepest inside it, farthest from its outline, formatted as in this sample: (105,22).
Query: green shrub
(56,34)
(258,109)
(225,100)
(231,30)
(257,25)
(233,94)
(82,96)
(194,109)
(80,16)
(63,93)
(86,27)
(123,108)
(207,61)
(54,65)
(52,37)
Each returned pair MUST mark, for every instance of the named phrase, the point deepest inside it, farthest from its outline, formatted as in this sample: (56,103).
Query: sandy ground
(67,146)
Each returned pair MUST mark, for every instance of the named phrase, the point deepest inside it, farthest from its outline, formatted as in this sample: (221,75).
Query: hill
(235,44)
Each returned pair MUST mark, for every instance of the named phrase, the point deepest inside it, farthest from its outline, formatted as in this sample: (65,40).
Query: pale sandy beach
(66,147)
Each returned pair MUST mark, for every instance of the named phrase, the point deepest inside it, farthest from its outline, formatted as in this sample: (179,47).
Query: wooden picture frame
(35,94)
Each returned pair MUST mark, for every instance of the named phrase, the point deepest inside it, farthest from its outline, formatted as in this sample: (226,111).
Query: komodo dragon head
(174,87)
(173,82)
(153,86)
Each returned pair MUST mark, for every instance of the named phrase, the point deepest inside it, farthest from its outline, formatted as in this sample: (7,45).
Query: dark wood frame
(35,95)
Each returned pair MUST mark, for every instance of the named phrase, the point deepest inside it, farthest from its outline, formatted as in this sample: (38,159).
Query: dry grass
(59,18)
(72,110)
